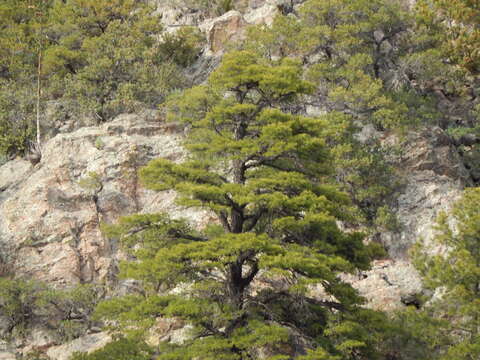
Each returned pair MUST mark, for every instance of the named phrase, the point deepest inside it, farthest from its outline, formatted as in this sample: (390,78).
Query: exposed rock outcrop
(226,28)
(87,343)
(51,212)
(433,178)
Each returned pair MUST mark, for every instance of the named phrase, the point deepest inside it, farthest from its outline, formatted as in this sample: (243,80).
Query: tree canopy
(262,171)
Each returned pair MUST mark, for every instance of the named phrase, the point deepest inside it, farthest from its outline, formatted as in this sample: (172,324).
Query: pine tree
(456,278)
(457,26)
(349,48)
(103,55)
(95,58)
(245,282)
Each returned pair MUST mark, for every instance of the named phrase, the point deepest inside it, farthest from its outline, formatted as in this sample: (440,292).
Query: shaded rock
(434,177)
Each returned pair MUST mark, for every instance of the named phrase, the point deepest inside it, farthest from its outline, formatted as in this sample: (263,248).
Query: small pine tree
(456,278)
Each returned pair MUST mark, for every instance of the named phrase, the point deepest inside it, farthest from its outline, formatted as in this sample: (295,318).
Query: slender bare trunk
(39,93)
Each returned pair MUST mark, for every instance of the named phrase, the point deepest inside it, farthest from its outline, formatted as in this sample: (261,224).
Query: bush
(122,349)
(17,109)
(27,302)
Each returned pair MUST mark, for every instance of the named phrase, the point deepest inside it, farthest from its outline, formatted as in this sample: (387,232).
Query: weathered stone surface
(262,13)
(169,330)
(433,177)
(387,284)
(12,172)
(50,218)
(6,351)
(87,343)
(5,355)
(228,27)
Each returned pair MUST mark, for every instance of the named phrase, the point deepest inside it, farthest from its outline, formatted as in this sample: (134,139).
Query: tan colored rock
(50,219)
(434,178)
(13,172)
(87,343)
(167,329)
(263,12)
(5,355)
(388,285)
(6,351)
(228,27)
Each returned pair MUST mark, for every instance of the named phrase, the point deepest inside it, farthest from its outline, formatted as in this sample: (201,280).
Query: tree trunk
(39,93)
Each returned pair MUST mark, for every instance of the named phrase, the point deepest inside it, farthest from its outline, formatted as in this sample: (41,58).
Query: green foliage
(374,60)
(365,173)
(16,117)
(456,25)
(97,58)
(264,173)
(209,8)
(411,334)
(449,63)
(27,302)
(106,55)
(122,349)
(181,47)
(342,42)
(455,276)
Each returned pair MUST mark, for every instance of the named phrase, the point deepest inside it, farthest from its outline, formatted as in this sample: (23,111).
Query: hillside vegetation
(296,195)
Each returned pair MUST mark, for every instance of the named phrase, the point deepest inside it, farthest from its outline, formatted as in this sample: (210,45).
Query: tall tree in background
(262,172)
(40,9)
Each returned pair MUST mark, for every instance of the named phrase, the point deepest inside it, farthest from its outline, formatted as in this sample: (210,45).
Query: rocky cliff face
(51,211)
(432,177)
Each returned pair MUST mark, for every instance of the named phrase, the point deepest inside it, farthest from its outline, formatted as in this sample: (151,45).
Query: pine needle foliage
(456,25)
(456,277)
(245,281)
(97,59)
